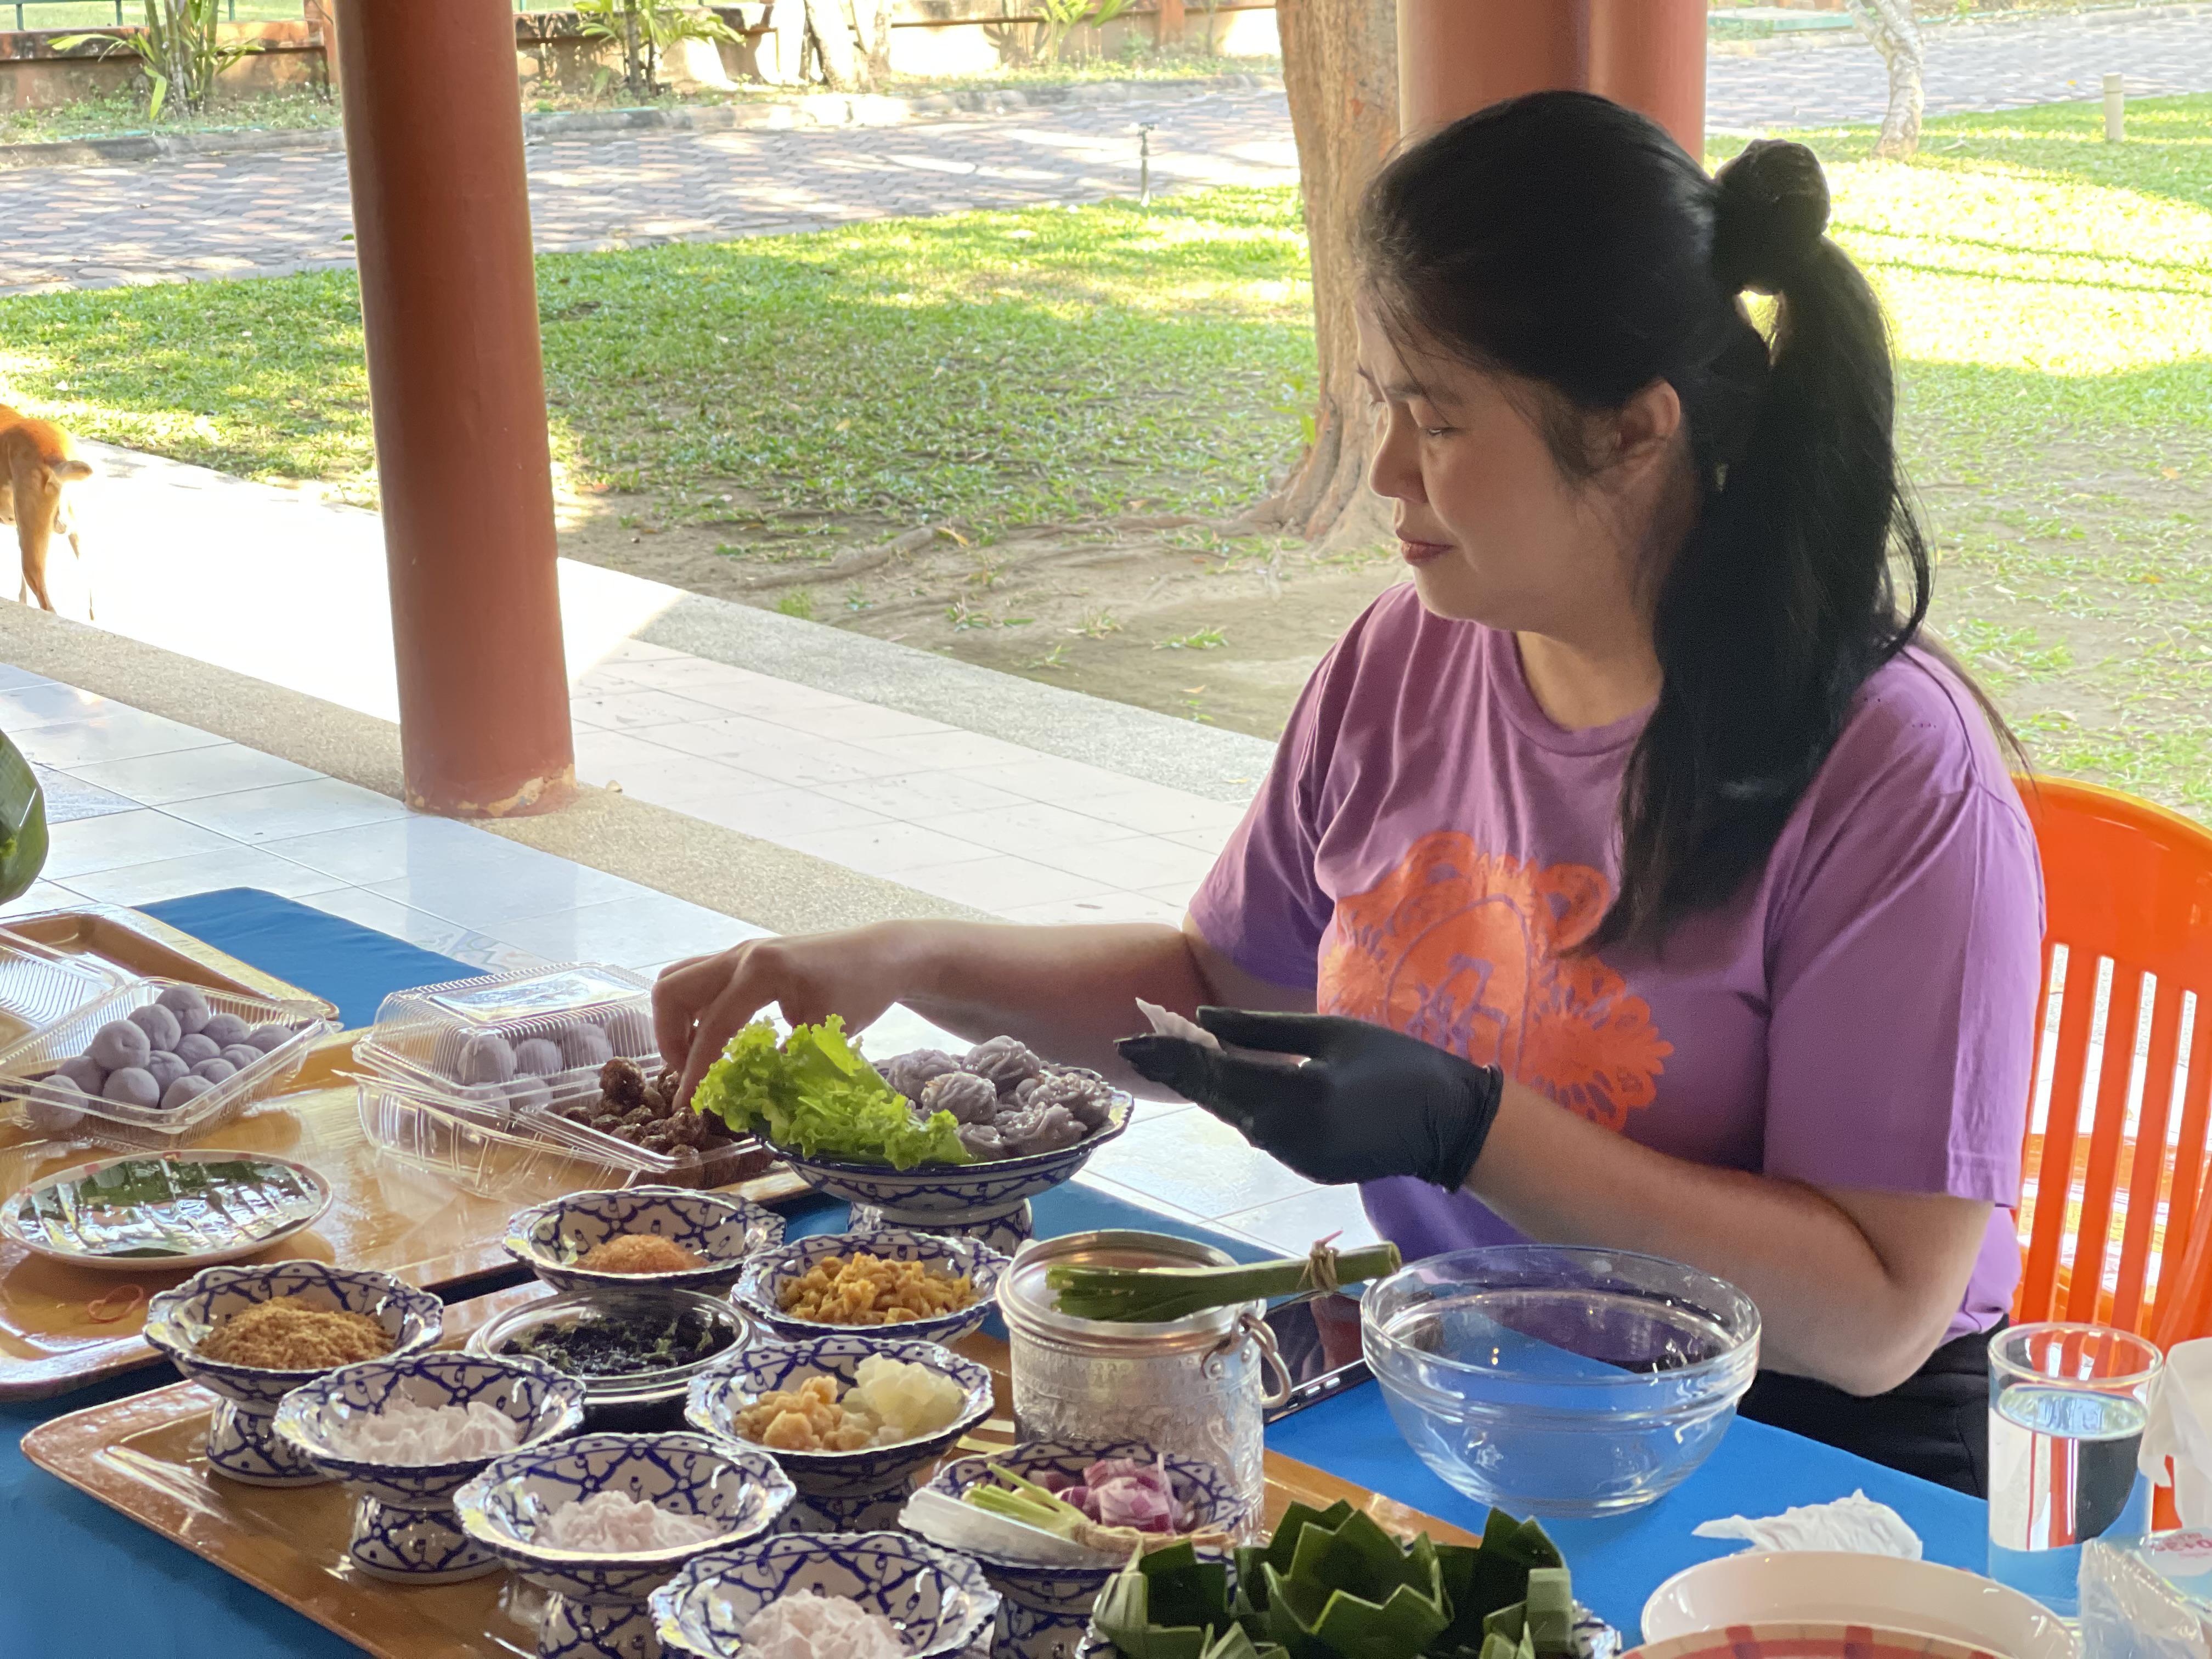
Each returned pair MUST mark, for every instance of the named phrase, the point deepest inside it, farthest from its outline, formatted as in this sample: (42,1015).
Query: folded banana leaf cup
(1333,1584)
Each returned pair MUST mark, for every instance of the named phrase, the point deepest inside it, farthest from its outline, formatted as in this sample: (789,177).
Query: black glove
(1369,1103)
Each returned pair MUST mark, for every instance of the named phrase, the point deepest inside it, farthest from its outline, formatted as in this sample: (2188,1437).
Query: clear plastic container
(517,1037)
(28,1064)
(41,988)
(496,1148)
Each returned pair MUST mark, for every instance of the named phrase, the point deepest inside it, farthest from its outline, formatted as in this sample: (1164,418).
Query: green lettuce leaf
(814,1094)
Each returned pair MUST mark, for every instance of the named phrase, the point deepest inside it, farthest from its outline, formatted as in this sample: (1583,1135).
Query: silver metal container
(1196,1387)
(631,1402)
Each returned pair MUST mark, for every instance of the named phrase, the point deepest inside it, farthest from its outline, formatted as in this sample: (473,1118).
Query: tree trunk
(1341,71)
(829,23)
(874,18)
(1889,25)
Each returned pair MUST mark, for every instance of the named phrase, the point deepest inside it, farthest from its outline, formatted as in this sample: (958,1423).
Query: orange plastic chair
(2131,883)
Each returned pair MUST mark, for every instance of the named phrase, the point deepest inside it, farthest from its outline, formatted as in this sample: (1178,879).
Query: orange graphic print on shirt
(1466,949)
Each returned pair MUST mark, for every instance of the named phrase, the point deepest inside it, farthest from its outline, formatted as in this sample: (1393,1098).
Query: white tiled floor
(956,814)
(145,809)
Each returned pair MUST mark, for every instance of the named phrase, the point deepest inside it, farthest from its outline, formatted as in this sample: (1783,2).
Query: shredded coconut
(808,1625)
(617,1524)
(406,1431)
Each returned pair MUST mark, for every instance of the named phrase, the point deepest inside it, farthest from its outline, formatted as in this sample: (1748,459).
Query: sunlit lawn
(2051,295)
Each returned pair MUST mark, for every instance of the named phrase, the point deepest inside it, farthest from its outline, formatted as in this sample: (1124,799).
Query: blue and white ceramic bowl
(839,1491)
(1045,1609)
(547,1238)
(940,1602)
(983,1201)
(760,1288)
(239,1444)
(595,1606)
(403,1520)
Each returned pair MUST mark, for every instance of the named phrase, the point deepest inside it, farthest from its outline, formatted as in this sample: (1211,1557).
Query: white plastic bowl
(1820,1586)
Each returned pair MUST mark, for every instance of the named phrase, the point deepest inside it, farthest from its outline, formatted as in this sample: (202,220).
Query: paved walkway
(260,214)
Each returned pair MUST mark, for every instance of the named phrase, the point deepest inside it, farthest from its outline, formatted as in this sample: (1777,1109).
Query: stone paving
(259,215)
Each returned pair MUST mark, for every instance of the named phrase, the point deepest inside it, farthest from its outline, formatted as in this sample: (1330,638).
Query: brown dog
(37,462)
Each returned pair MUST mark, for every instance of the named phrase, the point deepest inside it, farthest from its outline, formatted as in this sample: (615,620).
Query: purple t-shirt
(1430,845)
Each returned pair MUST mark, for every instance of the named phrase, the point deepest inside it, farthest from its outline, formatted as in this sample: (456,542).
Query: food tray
(23,1063)
(141,946)
(419,1034)
(489,1149)
(383,1215)
(143,1457)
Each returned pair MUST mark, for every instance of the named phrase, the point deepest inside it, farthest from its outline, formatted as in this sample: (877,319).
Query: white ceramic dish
(1820,1586)
(189,1227)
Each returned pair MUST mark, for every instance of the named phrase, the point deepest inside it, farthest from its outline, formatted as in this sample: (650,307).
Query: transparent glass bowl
(1557,1381)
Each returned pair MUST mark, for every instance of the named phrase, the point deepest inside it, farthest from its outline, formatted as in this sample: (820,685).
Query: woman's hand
(698,1006)
(1367,1104)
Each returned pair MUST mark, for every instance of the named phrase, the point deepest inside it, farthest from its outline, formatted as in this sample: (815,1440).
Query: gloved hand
(1368,1103)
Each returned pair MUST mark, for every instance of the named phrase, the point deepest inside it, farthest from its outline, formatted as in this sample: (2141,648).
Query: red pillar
(449,301)
(1455,57)
(1651,56)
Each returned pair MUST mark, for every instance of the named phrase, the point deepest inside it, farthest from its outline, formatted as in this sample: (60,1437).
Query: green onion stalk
(1157,1294)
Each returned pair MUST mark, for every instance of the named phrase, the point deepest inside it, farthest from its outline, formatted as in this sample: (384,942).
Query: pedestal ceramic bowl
(241,1444)
(939,1601)
(547,1238)
(989,1202)
(403,1527)
(760,1288)
(839,1491)
(1044,1609)
(596,1599)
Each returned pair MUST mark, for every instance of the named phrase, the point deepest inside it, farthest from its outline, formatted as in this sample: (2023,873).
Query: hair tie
(115,1306)
(1768,220)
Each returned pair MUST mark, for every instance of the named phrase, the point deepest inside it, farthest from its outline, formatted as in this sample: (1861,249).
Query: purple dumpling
(535,1057)
(86,1073)
(158,1025)
(188,1005)
(223,1030)
(269,1038)
(165,1067)
(118,1044)
(194,1046)
(241,1054)
(132,1086)
(185,1090)
(486,1059)
(217,1070)
(54,1108)
(585,1045)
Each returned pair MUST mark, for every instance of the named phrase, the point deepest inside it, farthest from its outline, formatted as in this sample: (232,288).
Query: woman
(1658,890)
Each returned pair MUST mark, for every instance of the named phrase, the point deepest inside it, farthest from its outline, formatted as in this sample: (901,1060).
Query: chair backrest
(2130,885)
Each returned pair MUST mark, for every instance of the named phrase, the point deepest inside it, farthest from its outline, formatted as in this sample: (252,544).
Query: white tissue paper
(1857,1524)
(2180,1427)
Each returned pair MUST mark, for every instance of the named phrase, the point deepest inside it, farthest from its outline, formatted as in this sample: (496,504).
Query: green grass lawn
(2052,297)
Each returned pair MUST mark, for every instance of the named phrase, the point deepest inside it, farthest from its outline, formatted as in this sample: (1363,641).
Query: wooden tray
(385,1215)
(141,1457)
(140,944)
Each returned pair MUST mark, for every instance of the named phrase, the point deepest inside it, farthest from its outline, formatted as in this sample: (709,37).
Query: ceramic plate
(1811,1640)
(189,1209)
(1808,1585)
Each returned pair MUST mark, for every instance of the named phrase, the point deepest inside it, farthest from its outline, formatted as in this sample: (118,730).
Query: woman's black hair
(1571,244)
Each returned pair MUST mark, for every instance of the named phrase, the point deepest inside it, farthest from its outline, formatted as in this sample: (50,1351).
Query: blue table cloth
(76,1578)
(355,967)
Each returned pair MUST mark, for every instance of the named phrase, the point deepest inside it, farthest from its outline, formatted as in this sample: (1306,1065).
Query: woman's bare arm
(1855,1287)
(1067,992)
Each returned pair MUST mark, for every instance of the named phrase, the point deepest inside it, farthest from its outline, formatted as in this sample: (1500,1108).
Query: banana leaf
(22,823)
(1171,1605)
